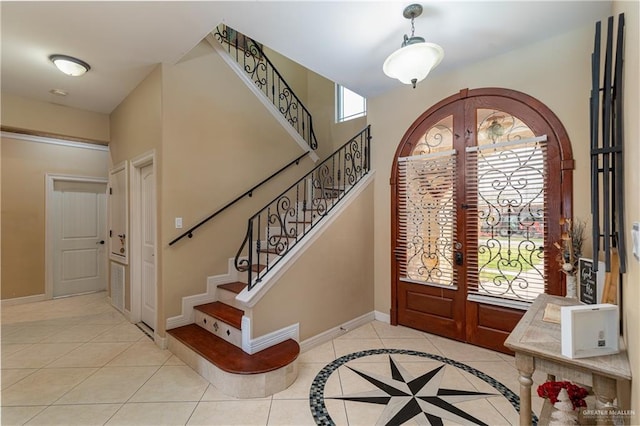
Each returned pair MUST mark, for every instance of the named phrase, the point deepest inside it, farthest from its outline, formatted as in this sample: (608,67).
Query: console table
(536,344)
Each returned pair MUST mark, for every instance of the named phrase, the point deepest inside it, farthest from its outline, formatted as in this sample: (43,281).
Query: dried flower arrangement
(570,246)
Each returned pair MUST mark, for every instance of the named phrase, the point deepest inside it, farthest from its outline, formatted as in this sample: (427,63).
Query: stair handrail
(253,65)
(321,189)
(248,193)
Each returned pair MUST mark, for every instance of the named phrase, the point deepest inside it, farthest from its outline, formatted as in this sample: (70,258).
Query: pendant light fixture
(70,65)
(415,58)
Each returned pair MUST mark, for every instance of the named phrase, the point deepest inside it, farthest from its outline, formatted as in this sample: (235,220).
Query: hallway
(79,361)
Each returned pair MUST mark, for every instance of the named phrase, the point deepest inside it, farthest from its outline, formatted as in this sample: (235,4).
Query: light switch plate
(178,222)
(635,237)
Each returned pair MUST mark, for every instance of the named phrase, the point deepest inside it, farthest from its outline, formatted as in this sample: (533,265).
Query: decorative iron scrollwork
(510,208)
(278,227)
(257,66)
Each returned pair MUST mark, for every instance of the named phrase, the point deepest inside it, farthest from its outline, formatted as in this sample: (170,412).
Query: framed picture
(590,282)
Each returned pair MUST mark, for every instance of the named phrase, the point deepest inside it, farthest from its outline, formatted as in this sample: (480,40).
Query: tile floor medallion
(405,395)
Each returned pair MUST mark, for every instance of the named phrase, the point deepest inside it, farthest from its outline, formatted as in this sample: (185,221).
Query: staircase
(212,347)
(275,230)
(214,334)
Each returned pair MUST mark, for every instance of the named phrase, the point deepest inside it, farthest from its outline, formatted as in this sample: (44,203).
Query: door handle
(100,242)
(458,258)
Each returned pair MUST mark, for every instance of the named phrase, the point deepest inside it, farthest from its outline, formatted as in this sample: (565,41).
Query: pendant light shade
(415,58)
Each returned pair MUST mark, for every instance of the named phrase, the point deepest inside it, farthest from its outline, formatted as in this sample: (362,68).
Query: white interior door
(79,254)
(148,245)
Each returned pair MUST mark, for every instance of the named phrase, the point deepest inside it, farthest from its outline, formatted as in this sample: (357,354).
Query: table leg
(526,366)
(605,390)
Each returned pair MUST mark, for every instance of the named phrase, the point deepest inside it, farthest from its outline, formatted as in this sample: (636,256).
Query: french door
(479,184)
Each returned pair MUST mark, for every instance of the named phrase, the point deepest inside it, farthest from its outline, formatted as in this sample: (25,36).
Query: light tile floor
(77,361)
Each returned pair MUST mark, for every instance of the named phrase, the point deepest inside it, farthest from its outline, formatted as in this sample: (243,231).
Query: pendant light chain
(413,28)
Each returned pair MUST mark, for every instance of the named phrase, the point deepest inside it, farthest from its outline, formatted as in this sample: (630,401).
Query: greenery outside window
(349,104)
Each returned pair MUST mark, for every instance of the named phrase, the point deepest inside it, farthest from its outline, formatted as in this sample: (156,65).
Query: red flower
(550,390)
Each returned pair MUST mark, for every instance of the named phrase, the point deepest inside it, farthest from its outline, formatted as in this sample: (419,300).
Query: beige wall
(219,141)
(54,119)
(318,95)
(213,140)
(631,281)
(555,71)
(136,124)
(331,283)
(331,135)
(136,129)
(24,167)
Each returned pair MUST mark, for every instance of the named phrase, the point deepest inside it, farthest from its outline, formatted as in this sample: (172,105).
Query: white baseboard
(23,300)
(188,302)
(251,346)
(382,317)
(160,341)
(337,331)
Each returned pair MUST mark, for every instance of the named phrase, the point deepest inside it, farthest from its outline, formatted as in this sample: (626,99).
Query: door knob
(100,242)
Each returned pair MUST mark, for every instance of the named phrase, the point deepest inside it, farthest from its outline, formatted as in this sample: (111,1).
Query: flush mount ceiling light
(70,65)
(415,58)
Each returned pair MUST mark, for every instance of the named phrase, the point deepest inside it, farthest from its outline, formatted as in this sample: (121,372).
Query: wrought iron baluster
(318,191)
(255,62)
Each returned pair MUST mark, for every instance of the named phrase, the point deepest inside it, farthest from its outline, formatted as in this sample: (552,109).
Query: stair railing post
(250,254)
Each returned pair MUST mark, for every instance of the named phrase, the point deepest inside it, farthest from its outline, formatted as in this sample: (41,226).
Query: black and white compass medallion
(406,397)
(421,398)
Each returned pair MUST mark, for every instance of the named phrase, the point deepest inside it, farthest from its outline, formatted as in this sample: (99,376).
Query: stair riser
(229,297)
(242,275)
(291,229)
(226,296)
(298,226)
(268,259)
(306,214)
(219,328)
(236,385)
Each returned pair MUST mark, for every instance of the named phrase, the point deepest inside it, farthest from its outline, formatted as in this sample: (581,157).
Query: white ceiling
(345,41)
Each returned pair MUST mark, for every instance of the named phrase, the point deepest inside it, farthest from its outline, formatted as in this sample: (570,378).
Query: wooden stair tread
(268,250)
(232,359)
(225,313)
(235,287)
(254,268)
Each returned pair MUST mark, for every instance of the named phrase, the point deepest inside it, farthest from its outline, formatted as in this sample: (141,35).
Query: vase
(572,291)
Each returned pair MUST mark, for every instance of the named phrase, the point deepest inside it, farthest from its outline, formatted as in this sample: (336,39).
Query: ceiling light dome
(415,58)
(70,65)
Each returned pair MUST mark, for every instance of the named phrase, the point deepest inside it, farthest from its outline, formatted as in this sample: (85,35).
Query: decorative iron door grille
(505,184)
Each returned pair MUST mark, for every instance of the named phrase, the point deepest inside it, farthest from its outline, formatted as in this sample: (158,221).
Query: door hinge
(110,233)
(110,191)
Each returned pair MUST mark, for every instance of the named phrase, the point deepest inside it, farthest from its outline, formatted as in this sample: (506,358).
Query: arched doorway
(480,182)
